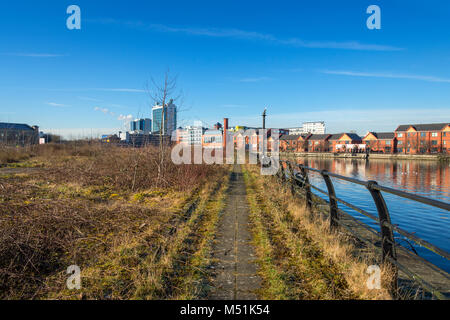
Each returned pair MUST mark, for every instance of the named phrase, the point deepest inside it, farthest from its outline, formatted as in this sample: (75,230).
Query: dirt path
(236,276)
(6,170)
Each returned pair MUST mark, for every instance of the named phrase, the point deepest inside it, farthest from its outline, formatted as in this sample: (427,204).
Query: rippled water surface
(426,178)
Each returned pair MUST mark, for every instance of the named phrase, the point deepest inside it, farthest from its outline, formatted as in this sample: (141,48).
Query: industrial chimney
(225,130)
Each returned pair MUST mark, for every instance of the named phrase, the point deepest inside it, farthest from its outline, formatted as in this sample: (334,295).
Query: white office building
(296,131)
(317,127)
(192,135)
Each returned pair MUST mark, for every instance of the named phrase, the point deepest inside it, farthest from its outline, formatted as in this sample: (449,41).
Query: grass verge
(299,257)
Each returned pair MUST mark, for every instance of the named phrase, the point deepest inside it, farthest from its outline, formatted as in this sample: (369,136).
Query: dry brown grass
(340,248)
(12,154)
(90,205)
(335,252)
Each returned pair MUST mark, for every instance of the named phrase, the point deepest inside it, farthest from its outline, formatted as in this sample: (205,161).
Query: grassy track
(293,263)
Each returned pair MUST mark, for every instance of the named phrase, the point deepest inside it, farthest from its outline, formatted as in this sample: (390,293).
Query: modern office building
(317,127)
(170,119)
(192,135)
(142,126)
(296,131)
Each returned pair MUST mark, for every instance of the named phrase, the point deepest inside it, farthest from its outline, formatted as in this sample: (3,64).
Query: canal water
(426,178)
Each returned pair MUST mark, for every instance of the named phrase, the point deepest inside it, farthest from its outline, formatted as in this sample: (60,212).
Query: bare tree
(303,146)
(426,145)
(412,143)
(162,95)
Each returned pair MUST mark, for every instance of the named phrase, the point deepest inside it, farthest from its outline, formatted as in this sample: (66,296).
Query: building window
(434,142)
(400,142)
(400,135)
(423,134)
(434,134)
(388,142)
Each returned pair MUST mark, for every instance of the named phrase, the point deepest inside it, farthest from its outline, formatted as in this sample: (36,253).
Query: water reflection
(426,178)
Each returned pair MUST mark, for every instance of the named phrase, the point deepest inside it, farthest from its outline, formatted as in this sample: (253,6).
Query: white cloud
(54,104)
(385,75)
(90,99)
(125,118)
(250,35)
(105,111)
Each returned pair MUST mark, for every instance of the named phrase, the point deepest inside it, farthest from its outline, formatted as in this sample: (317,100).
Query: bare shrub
(65,213)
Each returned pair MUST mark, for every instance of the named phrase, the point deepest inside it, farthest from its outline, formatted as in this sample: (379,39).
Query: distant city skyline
(303,61)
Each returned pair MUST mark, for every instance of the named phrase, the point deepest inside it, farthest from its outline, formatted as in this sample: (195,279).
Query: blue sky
(305,60)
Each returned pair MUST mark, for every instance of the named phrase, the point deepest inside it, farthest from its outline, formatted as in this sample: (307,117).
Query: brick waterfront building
(423,138)
(383,142)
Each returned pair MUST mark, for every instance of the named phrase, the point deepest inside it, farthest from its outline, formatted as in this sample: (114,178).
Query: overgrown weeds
(100,207)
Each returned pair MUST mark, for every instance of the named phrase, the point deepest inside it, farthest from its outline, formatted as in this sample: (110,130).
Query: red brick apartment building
(318,142)
(213,139)
(407,139)
(344,142)
(383,142)
(270,137)
(423,138)
(294,143)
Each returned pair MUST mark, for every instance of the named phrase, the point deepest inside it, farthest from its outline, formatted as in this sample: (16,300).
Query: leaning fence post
(307,187)
(282,173)
(387,235)
(291,177)
(333,203)
(278,174)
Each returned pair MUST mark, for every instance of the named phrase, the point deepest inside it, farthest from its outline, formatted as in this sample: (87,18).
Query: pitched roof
(289,137)
(15,126)
(353,136)
(384,135)
(319,136)
(336,136)
(423,127)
